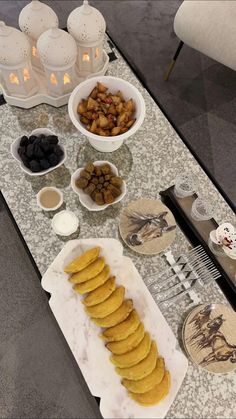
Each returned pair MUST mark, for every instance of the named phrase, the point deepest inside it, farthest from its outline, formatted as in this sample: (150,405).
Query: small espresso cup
(49,198)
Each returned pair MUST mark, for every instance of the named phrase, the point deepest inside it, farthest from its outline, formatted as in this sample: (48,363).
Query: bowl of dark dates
(39,153)
(98,185)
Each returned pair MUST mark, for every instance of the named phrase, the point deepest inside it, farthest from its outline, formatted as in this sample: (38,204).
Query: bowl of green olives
(98,185)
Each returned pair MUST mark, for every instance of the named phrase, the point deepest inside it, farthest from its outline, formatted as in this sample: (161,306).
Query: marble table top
(149,161)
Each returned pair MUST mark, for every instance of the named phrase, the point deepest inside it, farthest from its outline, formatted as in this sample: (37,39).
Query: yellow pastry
(135,356)
(89,272)
(123,329)
(83,260)
(94,283)
(143,368)
(125,345)
(156,394)
(101,293)
(148,382)
(117,316)
(109,305)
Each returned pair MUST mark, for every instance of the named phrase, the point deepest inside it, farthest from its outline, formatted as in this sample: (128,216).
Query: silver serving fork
(182,264)
(197,269)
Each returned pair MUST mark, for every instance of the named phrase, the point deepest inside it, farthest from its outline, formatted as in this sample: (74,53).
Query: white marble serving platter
(82,335)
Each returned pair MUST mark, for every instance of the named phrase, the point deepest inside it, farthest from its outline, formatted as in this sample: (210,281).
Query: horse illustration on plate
(208,336)
(146,227)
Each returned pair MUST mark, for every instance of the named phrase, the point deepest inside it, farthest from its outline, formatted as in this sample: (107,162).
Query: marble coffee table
(149,161)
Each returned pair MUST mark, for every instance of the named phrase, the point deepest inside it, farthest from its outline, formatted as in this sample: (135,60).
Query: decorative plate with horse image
(209,337)
(147,226)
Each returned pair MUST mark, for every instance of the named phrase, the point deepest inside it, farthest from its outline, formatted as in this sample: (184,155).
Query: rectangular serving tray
(197,233)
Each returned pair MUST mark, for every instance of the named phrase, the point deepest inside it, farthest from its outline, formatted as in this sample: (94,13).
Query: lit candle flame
(66,78)
(26,74)
(97,53)
(34,51)
(86,57)
(14,79)
(53,79)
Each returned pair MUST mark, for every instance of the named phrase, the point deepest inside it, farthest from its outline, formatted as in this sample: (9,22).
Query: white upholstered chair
(208,26)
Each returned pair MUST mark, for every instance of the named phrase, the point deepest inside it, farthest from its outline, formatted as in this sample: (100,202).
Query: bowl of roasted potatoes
(98,185)
(107,110)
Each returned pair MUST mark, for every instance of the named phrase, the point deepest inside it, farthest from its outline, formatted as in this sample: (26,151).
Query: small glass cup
(202,209)
(185,185)
(215,248)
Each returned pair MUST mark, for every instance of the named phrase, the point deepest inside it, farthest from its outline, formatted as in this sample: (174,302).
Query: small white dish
(85,199)
(42,191)
(65,223)
(37,132)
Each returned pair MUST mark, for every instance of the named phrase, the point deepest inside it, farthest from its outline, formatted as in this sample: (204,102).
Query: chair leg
(172,63)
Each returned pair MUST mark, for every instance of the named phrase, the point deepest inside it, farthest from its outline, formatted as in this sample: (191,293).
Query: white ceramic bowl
(37,132)
(49,188)
(71,229)
(85,199)
(100,143)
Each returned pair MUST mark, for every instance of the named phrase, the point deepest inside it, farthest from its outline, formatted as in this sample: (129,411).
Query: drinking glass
(185,185)
(215,248)
(202,209)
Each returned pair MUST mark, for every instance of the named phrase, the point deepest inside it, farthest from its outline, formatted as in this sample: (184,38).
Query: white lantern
(17,75)
(34,19)
(58,51)
(87,25)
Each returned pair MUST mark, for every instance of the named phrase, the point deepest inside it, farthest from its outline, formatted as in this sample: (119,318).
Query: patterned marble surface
(149,161)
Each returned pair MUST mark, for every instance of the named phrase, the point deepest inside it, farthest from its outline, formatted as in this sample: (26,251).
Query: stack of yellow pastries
(134,354)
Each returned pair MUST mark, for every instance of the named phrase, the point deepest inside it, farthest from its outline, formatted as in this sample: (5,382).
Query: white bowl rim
(54,188)
(89,134)
(97,207)
(15,155)
(72,230)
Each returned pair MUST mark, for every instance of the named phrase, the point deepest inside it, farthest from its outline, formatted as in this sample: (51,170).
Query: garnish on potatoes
(106,114)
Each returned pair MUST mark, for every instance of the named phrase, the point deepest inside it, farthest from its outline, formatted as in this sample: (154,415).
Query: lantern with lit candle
(87,25)
(57,51)
(17,76)
(34,19)
(44,63)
